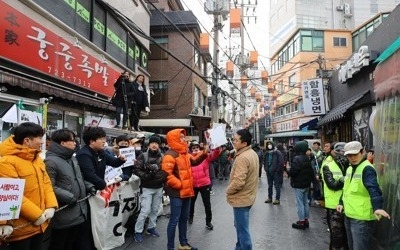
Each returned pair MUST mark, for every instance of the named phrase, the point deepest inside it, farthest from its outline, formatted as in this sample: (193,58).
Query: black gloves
(73,202)
(92,191)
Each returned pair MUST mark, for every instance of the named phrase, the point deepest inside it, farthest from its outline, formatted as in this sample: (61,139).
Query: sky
(257,28)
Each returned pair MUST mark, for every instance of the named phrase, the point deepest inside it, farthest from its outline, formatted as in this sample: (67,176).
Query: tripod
(126,105)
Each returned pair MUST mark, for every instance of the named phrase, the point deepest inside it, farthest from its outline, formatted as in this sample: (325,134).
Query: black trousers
(135,116)
(35,242)
(73,238)
(205,196)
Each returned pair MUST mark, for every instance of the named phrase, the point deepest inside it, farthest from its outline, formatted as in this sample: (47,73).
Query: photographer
(120,99)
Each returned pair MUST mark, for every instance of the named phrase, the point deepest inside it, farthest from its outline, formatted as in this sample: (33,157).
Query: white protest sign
(111,173)
(11,193)
(129,154)
(217,135)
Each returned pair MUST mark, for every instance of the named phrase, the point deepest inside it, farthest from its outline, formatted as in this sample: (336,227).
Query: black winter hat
(301,146)
(155,139)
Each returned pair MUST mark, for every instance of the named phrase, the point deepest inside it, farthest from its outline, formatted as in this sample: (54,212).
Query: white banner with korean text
(313,97)
(110,210)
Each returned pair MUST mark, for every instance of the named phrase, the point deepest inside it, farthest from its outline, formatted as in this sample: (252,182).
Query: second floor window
(160,90)
(339,41)
(156,53)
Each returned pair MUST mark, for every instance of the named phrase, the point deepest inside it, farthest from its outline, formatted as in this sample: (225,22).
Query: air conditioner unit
(339,8)
(347,10)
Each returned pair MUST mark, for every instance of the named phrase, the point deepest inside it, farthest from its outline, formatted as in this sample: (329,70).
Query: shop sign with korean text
(313,97)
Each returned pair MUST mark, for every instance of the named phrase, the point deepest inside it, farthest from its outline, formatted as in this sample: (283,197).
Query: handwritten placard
(130,156)
(11,193)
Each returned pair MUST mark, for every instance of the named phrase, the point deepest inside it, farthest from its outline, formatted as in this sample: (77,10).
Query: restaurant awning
(293,134)
(311,124)
(338,112)
(171,123)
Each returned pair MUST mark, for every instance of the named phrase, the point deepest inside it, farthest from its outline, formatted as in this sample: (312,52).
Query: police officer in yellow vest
(362,200)
(333,173)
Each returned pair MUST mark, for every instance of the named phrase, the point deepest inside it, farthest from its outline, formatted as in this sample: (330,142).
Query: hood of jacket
(9,147)
(56,149)
(174,141)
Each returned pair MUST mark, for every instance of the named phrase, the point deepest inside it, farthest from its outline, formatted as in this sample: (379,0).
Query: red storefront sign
(26,42)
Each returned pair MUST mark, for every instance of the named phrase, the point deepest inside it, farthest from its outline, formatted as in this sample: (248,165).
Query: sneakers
(187,247)
(268,200)
(138,237)
(190,221)
(212,192)
(209,226)
(276,202)
(316,203)
(153,232)
(299,225)
(117,126)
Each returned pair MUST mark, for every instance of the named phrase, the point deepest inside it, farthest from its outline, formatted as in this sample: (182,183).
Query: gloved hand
(40,221)
(5,231)
(153,167)
(73,202)
(49,213)
(147,109)
(92,191)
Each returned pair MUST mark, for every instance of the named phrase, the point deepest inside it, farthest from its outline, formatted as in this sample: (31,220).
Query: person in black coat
(301,175)
(93,160)
(140,102)
(121,99)
(68,225)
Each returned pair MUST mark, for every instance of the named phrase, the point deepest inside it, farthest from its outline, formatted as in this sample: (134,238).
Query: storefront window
(54,119)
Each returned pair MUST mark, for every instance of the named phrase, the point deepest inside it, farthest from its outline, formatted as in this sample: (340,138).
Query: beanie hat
(194,143)
(155,139)
(301,146)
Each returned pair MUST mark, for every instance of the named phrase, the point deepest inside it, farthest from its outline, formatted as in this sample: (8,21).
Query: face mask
(138,148)
(269,146)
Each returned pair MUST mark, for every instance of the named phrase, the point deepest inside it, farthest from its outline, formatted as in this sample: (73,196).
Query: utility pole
(244,62)
(220,9)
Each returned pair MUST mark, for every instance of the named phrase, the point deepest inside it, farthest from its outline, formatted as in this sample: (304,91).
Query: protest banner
(11,194)
(217,135)
(110,210)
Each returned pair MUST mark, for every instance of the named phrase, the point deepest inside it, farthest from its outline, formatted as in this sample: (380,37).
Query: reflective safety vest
(332,197)
(325,162)
(356,199)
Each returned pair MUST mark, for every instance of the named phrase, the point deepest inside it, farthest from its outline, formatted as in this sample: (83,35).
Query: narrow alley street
(270,225)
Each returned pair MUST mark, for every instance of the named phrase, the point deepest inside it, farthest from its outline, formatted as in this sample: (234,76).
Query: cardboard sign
(11,193)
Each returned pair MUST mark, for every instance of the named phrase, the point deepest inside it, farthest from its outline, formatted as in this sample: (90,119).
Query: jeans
(274,180)
(303,208)
(205,196)
(241,221)
(179,216)
(359,233)
(118,111)
(149,205)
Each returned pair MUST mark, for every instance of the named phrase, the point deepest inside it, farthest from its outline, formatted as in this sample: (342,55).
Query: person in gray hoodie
(69,225)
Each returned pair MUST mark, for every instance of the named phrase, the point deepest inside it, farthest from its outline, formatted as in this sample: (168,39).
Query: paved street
(270,225)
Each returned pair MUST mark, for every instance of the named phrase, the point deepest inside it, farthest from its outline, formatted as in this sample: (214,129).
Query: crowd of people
(55,213)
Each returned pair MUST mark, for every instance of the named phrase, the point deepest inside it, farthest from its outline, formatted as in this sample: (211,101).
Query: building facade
(59,60)
(177,67)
